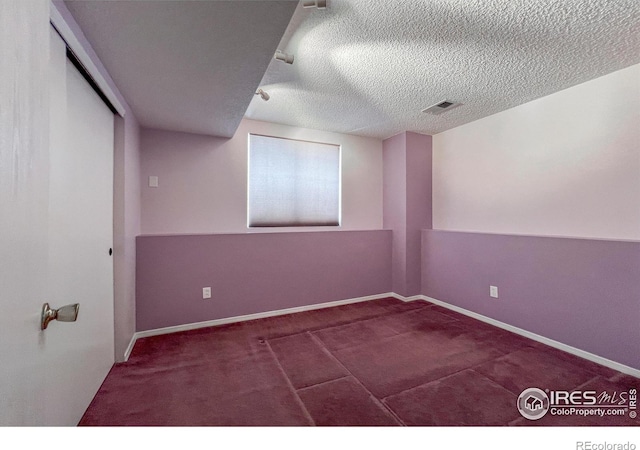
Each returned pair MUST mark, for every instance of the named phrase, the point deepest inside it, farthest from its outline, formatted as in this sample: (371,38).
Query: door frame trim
(73,43)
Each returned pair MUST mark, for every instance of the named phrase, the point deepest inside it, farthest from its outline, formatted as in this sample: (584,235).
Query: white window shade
(293,183)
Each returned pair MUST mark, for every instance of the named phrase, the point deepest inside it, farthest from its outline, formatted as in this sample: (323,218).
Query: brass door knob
(68,313)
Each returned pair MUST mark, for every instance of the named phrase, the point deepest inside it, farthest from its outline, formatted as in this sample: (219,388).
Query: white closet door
(78,355)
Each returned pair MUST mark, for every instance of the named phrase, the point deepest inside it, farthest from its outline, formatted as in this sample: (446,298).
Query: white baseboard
(528,334)
(132,342)
(262,315)
(505,326)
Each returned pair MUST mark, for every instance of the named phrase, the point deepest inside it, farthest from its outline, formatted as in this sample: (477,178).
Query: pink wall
(203,179)
(407,204)
(419,156)
(395,205)
(253,273)
(563,165)
(583,293)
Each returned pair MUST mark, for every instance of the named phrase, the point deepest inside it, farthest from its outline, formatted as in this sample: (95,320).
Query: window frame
(292,227)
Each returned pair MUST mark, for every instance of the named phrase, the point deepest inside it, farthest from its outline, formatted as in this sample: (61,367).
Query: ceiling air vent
(440,107)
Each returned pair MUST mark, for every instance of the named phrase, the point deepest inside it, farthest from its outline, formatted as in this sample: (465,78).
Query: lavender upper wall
(395,205)
(565,165)
(407,204)
(419,207)
(253,273)
(203,180)
(584,293)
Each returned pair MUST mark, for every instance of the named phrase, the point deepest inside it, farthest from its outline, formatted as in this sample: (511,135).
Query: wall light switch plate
(493,291)
(153,181)
(206,292)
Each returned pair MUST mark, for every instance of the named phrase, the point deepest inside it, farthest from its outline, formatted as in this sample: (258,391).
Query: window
(293,183)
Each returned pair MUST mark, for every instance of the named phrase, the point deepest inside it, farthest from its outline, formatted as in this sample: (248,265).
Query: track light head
(263,95)
(282,56)
(320,4)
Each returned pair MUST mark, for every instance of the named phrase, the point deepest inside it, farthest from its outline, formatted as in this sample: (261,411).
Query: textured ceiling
(371,67)
(188,66)
(361,66)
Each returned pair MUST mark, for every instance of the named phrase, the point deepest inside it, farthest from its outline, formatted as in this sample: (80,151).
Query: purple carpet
(377,363)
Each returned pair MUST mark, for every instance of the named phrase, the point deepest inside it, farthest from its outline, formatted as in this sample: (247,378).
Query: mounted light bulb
(320,4)
(285,57)
(263,95)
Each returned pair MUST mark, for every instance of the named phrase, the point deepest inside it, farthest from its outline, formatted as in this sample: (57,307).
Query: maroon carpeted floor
(382,362)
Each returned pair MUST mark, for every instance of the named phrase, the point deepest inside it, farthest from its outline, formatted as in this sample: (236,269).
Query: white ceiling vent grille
(440,107)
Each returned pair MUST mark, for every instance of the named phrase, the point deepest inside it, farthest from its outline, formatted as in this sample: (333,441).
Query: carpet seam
(329,327)
(514,422)
(494,382)
(510,353)
(446,376)
(619,376)
(587,382)
(367,319)
(291,388)
(451,375)
(491,378)
(324,382)
(424,384)
(474,367)
(140,367)
(383,406)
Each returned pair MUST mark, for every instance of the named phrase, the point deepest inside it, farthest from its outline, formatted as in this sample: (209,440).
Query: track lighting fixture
(320,4)
(282,56)
(263,95)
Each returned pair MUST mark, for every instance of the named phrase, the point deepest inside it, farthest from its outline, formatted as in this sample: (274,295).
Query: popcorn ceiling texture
(371,67)
(361,67)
